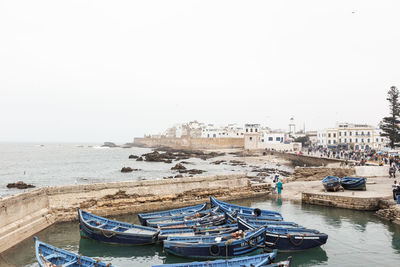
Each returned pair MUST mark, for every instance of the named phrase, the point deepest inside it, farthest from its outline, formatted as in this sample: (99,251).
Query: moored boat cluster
(224,231)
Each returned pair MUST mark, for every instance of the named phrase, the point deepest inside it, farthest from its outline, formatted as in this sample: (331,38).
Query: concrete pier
(25,214)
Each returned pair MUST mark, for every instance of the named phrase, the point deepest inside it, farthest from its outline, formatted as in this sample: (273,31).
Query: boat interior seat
(53,255)
(70,263)
(101,225)
(118,226)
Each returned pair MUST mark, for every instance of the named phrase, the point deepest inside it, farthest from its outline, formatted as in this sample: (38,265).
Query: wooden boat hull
(246,211)
(331,183)
(257,260)
(143,217)
(202,231)
(209,248)
(47,254)
(195,216)
(114,237)
(261,223)
(354,183)
(293,242)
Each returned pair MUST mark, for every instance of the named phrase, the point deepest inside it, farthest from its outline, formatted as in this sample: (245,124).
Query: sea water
(356,238)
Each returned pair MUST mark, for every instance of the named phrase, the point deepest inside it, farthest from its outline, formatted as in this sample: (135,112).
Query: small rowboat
(49,256)
(354,183)
(256,261)
(143,217)
(331,183)
(211,247)
(165,233)
(260,223)
(209,221)
(246,211)
(114,232)
(202,215)
(288,238)
(291,239)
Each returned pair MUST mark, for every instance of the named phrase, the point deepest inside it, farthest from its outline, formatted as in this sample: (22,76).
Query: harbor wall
(346,202)
(190,143)
(372,171)
(25,214)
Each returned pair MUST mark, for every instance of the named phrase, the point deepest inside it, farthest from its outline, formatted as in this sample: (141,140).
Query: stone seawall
(319,173)
(190,143)
(25,214)
(347,202)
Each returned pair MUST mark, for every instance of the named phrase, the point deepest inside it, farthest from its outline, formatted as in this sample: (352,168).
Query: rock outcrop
(391,214)
(128,169)
(178,166)
(109,144)
(20,185)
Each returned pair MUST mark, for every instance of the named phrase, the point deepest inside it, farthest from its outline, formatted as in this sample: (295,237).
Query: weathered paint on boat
(255,261)
(354,183)
(211,247)
(114,232)
(47,255)
(246,211)
(331,183)
(143,217)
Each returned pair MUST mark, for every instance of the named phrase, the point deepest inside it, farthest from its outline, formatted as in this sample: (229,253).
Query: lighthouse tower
(292,126)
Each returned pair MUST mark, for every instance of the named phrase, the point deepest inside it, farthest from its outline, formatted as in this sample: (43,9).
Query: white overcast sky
(111,70)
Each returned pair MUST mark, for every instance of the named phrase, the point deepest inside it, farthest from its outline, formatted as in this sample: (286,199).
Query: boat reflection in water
(313,257)
(92,248)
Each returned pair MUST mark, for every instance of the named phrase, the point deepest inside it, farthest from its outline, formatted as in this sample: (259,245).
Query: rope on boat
(294,243)
(212,252)
(276,240)
(79,260)
(252,242)
(108,236)
(227,243)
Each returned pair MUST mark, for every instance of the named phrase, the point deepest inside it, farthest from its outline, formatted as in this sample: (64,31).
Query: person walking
(279,187)
(392,172)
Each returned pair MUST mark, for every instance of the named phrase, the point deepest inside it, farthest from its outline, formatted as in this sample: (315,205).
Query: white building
(252,136)
(313,136)
(321,138)
(353,136)
(257,138)
(230,131)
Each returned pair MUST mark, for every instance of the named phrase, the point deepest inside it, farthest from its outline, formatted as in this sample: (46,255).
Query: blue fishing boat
(292,239)
(211,247)
(219,230)
(202,215)
(331,183)
(49,256)
(143,217)
(209,221)
(261,223)
(288,238)
(114,232)
(256,261)
(246,211)
(354,183)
